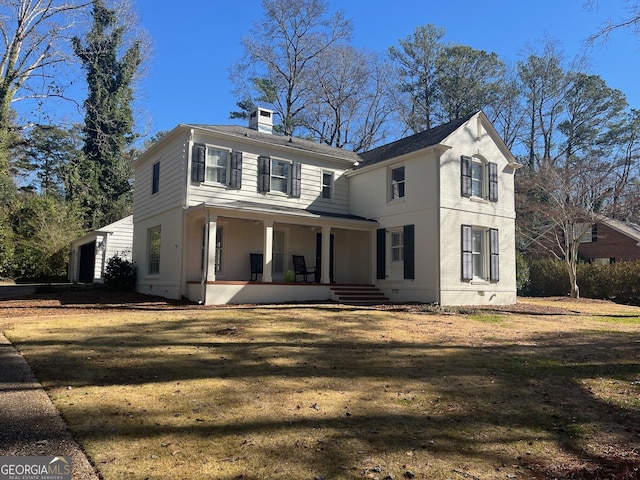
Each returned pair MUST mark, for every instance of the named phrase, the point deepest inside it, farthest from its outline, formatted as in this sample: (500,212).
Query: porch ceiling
(276,213)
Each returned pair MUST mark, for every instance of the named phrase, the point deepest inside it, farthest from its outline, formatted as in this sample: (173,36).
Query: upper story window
(396,178)
(479,179)
(279,176)
(216,165)
(327,185)
(155,181)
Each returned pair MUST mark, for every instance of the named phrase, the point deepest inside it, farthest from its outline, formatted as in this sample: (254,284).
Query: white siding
(172,158)
(169,283)
(120,238)
(311,179)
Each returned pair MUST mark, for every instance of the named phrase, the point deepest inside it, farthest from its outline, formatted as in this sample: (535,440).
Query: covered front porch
(219,242)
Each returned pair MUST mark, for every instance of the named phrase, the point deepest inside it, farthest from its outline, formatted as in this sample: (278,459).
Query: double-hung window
(217,164)
(480,253)
(280,171)
(397,246)
(396,184)
(153,250)
(327,185)
(276,175)
(479,179)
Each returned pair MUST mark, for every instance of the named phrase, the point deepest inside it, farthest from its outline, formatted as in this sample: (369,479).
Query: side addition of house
(227,214)
(444,202)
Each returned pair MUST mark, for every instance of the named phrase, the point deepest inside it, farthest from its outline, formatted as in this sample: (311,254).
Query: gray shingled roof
(416,142)
(282,141)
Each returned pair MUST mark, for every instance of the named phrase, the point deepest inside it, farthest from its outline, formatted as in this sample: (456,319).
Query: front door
(319,258)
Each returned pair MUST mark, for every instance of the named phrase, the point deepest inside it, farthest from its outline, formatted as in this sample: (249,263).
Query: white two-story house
(429,218)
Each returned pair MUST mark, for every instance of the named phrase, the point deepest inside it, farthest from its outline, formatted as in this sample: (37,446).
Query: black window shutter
(594,232)
(494,255)
(381,254)
(264,174)
(467,253)
(198,163)
(296,176)
(493,182)
(235,180)
(465,176)
(409,252)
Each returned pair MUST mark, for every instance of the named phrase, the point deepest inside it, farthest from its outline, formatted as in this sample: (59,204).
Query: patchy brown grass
(334,392)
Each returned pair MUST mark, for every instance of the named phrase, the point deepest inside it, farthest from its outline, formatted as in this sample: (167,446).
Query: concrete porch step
(358,295)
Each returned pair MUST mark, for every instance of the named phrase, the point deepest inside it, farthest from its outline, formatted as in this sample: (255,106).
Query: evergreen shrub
(120,274)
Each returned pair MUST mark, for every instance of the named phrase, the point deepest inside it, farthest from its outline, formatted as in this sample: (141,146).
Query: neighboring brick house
(429,218)
(611,241)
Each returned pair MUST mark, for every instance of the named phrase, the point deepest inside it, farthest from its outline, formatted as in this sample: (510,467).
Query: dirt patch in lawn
(164,390)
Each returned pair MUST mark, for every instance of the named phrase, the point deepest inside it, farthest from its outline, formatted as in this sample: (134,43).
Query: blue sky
(195,42)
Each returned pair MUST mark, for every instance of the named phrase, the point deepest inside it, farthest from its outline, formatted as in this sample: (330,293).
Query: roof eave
(439,148)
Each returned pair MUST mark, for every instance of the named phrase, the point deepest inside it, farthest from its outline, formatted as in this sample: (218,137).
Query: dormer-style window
(215,165)
(479,178)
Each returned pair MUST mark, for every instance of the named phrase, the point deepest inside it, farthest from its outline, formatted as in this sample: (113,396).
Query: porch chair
(300,268)
(256,265)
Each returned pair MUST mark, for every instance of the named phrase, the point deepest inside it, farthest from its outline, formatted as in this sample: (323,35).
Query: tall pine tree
(108,129)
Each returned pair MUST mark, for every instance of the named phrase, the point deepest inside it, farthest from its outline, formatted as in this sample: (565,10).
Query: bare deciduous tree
(281,50)
(32,35)
(347,107)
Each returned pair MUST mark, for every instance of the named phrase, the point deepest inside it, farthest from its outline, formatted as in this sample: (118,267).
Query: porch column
(212,229)
(326,255)
(268,251)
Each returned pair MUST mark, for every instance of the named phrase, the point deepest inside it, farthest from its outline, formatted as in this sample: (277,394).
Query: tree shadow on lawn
(478,402)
